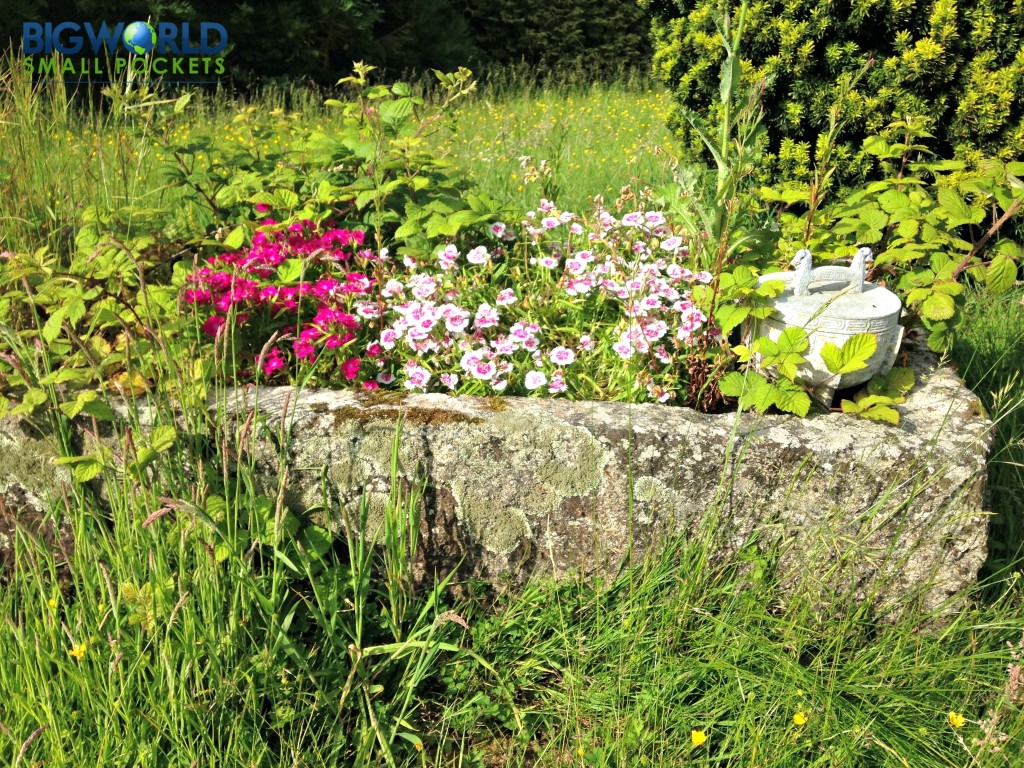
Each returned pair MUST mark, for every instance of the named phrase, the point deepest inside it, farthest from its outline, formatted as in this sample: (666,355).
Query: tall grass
(568,142)
(988,355)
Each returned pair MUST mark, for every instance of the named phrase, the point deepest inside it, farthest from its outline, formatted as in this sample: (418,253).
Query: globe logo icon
(139,38)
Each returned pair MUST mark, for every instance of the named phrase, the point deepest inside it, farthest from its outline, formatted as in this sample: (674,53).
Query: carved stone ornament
(833,303)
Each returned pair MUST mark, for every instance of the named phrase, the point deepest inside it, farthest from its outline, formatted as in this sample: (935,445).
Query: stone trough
(522,486)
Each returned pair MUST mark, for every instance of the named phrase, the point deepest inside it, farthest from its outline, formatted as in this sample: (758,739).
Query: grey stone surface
(519,486)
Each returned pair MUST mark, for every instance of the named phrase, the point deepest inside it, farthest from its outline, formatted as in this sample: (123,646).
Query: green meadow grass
(178,641)
(519,142)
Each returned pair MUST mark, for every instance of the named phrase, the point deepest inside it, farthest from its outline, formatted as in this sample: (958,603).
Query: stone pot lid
(874,307)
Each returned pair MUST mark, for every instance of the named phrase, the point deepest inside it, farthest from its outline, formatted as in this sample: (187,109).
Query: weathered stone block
(517,486)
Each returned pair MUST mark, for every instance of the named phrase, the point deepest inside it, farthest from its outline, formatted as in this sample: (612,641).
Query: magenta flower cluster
(245,288)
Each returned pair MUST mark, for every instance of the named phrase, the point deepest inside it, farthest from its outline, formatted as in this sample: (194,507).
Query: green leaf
(290,271)
(881,413)
(1001,274)
(99,410)
(30,401)
(235,239)
(163,438)
(791,398)
(728,316)
(145,457)
(956,209)
(761,395)
(938,306)
(893,200)
(51,330)
(793,341)
(315,540)
(87,470)
(181,102)
(731,385)
(853,356)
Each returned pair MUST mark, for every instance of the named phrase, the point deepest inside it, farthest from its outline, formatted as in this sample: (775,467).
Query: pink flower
(586,343)
(303,349)
(506,297)
(671,244)
(478,255)
(262,207)
(416,376)
(623,349)
(557,383)
(497,229)
(546,205)
(385,377)
(388,338)
(549,222)
(484,370)
(486,316)
(562,356)
(350,368)
(213,324)
(371,385)
(273,361)
(450,380)
(535,379)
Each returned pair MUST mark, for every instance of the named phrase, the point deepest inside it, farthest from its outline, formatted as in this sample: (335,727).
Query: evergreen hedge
(957,70)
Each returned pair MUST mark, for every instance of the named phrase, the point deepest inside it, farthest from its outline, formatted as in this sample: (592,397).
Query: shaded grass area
(989,355)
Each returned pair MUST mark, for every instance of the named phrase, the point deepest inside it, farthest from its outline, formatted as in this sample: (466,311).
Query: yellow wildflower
(78,651)
(52,603)
(956,719)
(800,718)
(698,737)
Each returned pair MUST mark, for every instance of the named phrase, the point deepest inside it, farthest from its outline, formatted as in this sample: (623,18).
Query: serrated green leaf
(731,385)
(791,398)
(761,393)
(162,438)
(881,413)
(99,410)
(87,470)
(52,328)
(901,379)
(69,409)
(938,306)
(793,341)
(955,209)
(728,316)
(1001,274)
(32,400)
(145,456)
(849,406)
(289,271)
(852,356)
